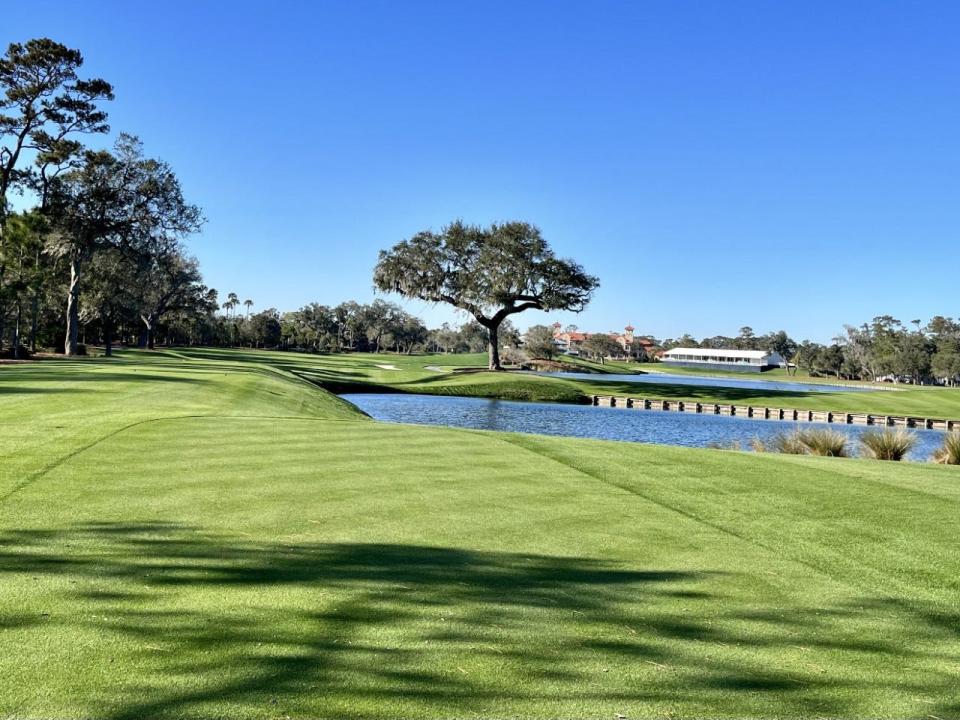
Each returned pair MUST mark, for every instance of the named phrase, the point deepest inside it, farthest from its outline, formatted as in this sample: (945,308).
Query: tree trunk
(493,349)
(107,336)
(149,325)
(16,331)
(34,312)
(73,308)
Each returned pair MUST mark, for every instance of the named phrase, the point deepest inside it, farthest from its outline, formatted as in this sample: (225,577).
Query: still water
(584,421)
(744,383)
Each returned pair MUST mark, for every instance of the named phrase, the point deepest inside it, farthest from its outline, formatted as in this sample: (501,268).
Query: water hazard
(584,421)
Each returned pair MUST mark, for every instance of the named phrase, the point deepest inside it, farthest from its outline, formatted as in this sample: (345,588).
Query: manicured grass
(580,364)
(360,372)
(910,400)
(199,534)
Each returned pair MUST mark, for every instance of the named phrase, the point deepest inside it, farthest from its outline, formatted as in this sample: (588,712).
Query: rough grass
(784,443)
(888,444)
(823,442)
(212,537)
(949,453)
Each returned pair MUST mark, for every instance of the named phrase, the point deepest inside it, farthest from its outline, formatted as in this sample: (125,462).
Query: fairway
(204,535)
(458,375)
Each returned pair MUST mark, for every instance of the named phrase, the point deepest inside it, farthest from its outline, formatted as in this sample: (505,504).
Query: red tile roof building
(569,342)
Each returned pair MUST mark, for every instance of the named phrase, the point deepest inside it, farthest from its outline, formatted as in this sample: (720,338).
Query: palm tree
(233,300)
(249,304)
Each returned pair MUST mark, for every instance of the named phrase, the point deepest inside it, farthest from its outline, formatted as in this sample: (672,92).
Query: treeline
(887,349)
(777,341)
(101,248)
(351,326)
(379,326)
(883,349)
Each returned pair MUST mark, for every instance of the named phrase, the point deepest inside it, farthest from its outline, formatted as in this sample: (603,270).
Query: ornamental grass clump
(888,444)
(825,442)
(949,452)
(784,443)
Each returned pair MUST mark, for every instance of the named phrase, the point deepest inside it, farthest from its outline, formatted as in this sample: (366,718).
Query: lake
(585,421)
(744,383)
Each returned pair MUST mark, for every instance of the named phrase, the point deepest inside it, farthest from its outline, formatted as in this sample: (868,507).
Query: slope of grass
(215,538)
(53,408)
(460,375)
(463,375)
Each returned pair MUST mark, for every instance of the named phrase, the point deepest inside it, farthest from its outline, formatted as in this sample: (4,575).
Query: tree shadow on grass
(29,390)
(214,624)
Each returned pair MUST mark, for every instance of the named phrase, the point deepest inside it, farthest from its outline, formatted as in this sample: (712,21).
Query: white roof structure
(751,354)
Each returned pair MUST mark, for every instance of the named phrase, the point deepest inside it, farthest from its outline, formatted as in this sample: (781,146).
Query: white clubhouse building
(736,360)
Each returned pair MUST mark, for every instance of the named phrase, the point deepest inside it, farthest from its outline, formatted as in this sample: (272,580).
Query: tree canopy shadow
(319,629)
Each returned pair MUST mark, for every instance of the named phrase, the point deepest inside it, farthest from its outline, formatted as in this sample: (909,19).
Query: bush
(81,349)
(825,442)
(23,353)
(888,444)
(513,356)
(809,441)
(783,443)
(949,452)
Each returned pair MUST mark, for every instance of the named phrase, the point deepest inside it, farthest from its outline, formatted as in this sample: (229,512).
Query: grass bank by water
(463,375)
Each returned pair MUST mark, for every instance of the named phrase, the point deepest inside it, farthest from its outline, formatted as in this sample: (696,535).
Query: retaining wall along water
(767,413)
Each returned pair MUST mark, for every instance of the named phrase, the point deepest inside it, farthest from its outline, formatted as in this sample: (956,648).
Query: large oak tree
(491,273)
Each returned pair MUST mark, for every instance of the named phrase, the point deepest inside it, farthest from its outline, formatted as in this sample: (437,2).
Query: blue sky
(780,165)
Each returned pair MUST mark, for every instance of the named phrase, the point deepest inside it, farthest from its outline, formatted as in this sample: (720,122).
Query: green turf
(200,534)
(360,372)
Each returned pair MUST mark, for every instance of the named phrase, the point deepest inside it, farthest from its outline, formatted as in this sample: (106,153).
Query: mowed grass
(462,375)
(203,535)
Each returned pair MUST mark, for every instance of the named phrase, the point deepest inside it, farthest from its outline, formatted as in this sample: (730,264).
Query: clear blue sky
(782,165)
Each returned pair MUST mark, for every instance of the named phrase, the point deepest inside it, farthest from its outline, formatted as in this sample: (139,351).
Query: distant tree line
(884,348)
(352,326)
(375,327)
(99,249)
(777,341)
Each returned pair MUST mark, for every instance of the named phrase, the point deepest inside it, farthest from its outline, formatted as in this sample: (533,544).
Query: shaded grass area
(241,544)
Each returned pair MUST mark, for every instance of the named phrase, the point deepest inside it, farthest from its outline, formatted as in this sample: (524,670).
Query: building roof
(718,353)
